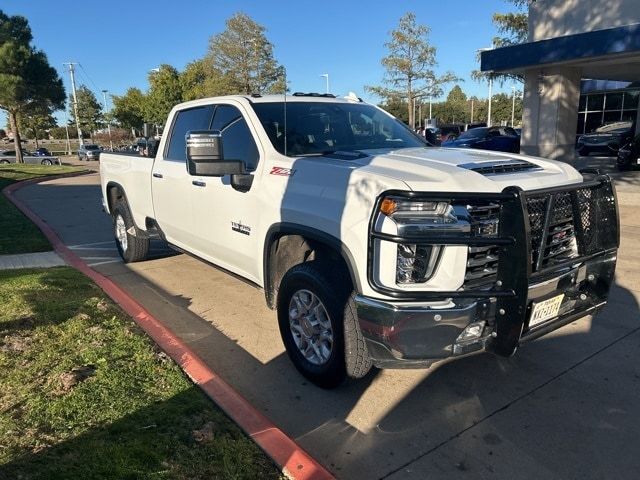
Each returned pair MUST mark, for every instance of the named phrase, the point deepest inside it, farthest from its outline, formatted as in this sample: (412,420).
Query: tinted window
(316,127)
(474,133)
(91,147)
(197,118)
(237,141)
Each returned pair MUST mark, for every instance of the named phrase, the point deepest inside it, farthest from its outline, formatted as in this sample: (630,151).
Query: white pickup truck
(374,247)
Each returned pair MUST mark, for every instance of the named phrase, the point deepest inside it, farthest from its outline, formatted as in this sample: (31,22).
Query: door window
(197,118)
(237,140)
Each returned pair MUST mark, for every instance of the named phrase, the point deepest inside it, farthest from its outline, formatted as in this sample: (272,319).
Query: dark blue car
(501,139)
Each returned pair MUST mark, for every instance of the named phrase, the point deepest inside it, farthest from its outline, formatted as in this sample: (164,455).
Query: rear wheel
(132,243)
(4,162)
(319,325)
(46,162)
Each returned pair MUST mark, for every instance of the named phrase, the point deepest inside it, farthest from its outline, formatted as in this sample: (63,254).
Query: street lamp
(326,77)
(490,77)
(104,98)
(513,104)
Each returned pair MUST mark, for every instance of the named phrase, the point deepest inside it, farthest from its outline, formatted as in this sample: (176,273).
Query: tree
(26,78)
(513,28)
(501,106)
(165,91)
(200,79)
(89,110)
(243,55)
(128,109)
(60,133)
(409,65)
(36,120)
(456,105)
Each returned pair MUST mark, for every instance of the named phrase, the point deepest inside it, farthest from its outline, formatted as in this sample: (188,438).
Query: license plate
(545,310)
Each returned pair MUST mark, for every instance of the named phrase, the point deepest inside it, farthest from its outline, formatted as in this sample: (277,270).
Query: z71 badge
(283,172)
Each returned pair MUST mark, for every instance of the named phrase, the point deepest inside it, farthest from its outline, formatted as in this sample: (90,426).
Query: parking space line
(81,245)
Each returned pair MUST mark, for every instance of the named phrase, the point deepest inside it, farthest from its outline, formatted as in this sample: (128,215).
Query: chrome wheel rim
(121,233)
(311,327)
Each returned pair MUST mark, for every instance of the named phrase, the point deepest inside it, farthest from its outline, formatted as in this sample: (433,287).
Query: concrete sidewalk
(564,407)
(30,260)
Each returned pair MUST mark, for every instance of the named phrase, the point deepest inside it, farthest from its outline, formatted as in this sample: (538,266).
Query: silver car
(9,156)
(89,152)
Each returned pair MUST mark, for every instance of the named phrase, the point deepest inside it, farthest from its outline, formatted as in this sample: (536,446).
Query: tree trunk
(16,136)
(35,134)
(410,104)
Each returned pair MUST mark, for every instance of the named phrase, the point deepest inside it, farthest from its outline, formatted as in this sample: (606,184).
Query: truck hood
(455,169)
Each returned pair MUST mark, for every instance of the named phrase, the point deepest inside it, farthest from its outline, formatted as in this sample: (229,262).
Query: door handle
(199,183)
(157,175)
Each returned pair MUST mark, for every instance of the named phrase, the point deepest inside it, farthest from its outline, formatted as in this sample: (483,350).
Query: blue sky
(117,42)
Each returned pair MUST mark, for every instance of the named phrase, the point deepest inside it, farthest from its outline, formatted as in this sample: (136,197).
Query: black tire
(583,152)
(349,357)
(4,162)
(46,162)
(136,247)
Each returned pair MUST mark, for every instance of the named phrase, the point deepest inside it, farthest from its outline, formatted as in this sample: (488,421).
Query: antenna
(285,110)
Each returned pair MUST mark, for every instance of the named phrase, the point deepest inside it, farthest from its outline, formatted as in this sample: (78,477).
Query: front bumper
(410,333)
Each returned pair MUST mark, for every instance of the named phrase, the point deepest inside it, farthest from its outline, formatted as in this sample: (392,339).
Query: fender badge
(281,171)
(240,228)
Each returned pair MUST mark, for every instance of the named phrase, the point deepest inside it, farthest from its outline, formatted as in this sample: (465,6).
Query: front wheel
(319,326)
(132,243)
(4,162)
(46,162)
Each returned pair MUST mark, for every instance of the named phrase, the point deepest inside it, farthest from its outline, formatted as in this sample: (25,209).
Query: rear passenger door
(170,181)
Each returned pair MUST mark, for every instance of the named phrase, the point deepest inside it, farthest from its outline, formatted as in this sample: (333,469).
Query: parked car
(9,156)
(629,155)
(606,140)
(501,139)
(373,248)
(41,152)
(89,152)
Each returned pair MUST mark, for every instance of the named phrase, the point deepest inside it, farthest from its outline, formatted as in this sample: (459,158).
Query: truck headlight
(416,263)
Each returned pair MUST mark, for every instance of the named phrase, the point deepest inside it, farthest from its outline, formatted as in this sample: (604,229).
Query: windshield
(314,128)
(473,133)
(91,147)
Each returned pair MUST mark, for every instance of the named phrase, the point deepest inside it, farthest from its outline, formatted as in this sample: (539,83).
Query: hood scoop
(500,167)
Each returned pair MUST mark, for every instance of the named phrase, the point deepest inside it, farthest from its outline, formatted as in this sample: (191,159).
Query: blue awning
(580,46)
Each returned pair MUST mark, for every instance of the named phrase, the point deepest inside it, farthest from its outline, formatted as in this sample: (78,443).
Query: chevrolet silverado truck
(375,248)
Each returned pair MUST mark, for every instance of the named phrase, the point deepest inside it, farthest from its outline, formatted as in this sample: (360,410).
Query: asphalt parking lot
(566,406)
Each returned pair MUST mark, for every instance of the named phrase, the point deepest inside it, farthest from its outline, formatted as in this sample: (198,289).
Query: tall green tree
(513,28)
(200,79)
(165,91)
(26,78)
(409,66)
(244,57)
(456,105)
(129,109)
(89,110)
(35,121)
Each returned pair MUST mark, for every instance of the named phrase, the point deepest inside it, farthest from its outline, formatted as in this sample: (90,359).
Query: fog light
(415,263)
(473,331)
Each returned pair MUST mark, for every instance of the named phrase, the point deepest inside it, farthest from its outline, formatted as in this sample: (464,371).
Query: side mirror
(205,155)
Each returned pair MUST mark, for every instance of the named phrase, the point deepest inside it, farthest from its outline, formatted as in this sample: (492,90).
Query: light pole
(326,77)
(490,100)
(471,111)
(75,100)
(490,77)
(104,97)
(513,105)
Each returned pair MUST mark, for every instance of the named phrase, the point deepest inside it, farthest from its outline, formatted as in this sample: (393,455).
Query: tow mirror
(205,155)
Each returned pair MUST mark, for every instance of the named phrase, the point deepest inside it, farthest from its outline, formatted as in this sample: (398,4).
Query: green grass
(17,233)
(137,416)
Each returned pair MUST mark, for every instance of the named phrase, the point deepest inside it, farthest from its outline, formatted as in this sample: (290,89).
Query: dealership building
(581,67)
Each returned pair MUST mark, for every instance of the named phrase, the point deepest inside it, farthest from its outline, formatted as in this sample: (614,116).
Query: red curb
(289,456)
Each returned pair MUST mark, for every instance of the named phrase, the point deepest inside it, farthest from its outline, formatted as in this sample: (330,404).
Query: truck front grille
(482,262)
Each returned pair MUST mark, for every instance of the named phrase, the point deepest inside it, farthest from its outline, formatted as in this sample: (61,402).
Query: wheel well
(287,250)
(114,193)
